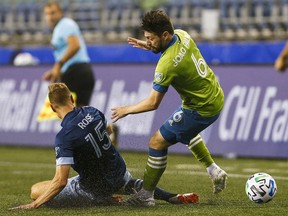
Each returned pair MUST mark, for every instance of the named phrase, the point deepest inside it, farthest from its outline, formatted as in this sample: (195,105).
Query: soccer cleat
(184,198)
(117,199)
(142,198)
(219,178)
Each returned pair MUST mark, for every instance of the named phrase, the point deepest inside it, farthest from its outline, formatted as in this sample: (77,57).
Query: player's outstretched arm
(146,105)
(56,186)
(138,43)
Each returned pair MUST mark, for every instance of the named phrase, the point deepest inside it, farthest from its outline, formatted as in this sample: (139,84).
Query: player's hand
(118,112)
(27,206)
(47,75)
(53,75)
(280,65)
(138,43)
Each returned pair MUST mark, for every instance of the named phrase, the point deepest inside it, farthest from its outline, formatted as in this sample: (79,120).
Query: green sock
(155,167)
(200,151)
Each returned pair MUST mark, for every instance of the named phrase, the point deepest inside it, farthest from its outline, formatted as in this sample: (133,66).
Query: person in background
(72,63)
(182,66)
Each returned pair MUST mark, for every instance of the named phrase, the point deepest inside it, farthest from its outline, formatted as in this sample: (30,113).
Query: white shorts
(74,195)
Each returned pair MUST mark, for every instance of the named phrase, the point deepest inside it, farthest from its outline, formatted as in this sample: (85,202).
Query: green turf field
(21,167)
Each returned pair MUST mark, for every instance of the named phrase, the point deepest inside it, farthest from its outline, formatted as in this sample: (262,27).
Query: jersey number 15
(99,139)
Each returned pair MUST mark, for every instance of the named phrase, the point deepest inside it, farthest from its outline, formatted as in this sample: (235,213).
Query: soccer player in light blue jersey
(181,66)
(83,143)
(72,63)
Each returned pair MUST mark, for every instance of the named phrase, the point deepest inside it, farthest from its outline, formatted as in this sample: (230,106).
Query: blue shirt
(64,28)
(84,143)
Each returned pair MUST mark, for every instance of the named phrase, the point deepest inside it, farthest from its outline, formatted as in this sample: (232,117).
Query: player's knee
(153,144)
(34,192)
(157,142)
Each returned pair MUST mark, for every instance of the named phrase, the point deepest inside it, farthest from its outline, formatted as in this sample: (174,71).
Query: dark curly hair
(157,22)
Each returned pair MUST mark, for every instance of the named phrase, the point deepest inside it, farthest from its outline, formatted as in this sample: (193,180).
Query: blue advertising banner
(262,52)
(253,123)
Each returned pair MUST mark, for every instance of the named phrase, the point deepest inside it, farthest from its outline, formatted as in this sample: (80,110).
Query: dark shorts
(183,125)
(80,79)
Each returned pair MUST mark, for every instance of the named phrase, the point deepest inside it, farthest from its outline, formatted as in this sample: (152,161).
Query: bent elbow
(154,106)
(61,183)
(76,48)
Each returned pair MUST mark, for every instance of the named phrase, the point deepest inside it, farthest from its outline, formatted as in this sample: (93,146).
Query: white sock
(146,192)
(211,168)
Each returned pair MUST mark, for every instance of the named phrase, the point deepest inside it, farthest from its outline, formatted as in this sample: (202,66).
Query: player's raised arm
(138,43)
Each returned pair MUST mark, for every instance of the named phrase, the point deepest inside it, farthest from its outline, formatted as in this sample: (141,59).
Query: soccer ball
(261,188)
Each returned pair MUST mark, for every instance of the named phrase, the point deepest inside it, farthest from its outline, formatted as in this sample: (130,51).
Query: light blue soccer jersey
(67,27)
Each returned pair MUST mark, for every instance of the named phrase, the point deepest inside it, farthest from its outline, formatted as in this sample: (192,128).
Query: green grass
(22,167)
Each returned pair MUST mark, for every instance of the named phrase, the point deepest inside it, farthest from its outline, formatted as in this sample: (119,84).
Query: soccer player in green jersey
(182,66)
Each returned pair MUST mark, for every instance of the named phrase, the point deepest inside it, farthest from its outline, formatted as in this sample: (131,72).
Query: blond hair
(59,94)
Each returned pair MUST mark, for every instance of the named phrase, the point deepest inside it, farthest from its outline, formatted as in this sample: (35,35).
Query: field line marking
(172,172)
(199,173)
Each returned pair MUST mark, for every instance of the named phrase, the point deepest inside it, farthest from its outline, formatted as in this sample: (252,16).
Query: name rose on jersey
(84,122)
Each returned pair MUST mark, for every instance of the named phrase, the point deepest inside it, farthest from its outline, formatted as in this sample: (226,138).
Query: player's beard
(158,49)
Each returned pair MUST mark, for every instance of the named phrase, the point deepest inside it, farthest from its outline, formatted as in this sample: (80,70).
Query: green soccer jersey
(182,66)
